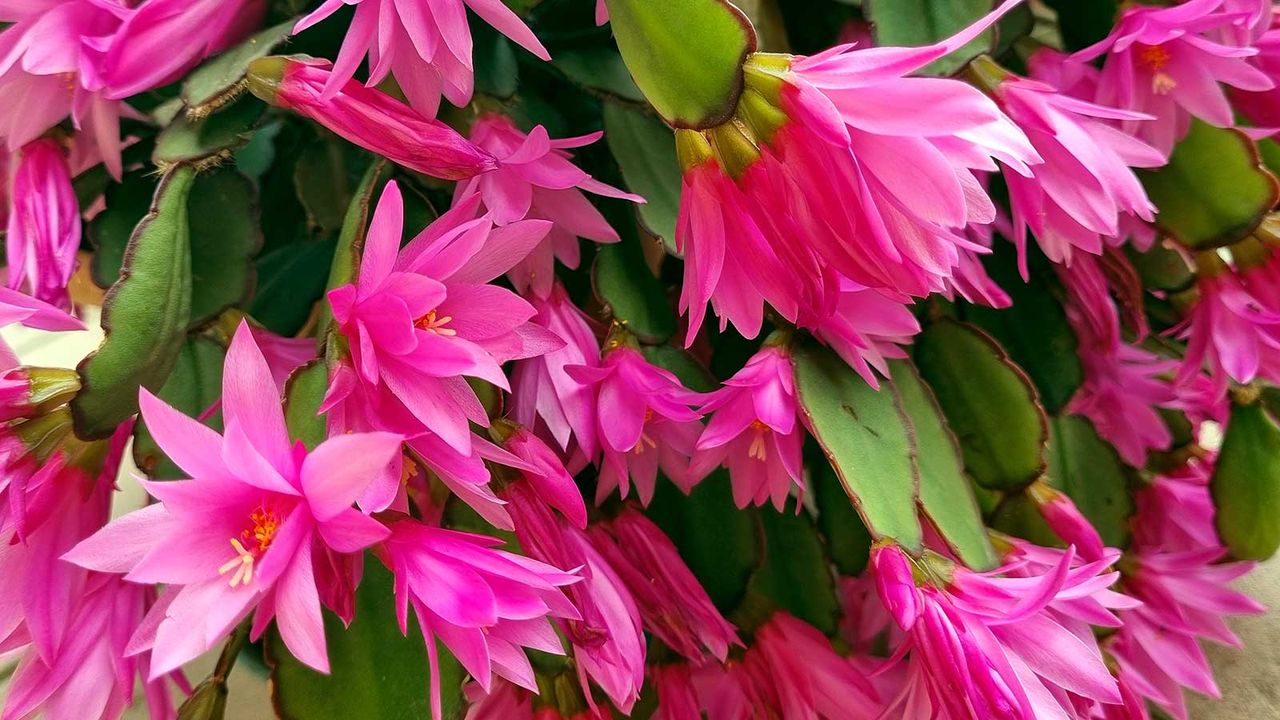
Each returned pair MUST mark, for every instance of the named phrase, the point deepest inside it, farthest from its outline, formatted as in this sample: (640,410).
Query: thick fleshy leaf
(497,73)
(290,283)
(685,55)
(1034,330)
(225,235)
(598,69)
(867,439)
(848,541)
(1088,469)
(946,494)
(326,173)
(1194,210)
(1162,268)
(208,140)
(719,542)
(216,82)
(1246,484)
(916,23)
(127,203)
(624,283)
(375,672)
(193,387)
(303,395)
(145,314)
(989,402)
(646,153)
(795,575)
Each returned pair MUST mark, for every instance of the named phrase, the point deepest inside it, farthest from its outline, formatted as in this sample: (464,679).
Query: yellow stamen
(1155,58)
(431,323)
(258,538)
(758,450)
(644,436)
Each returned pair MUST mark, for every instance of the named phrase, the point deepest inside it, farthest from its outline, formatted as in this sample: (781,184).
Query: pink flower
(1075,199)
(644,421)
(1065,520)
(51,64)
(672,603)
(535,179)
(421,318)
(242,533)
(808,678)
(283,354)
(44,223)
(426,45)
(543,394)
(93,675)
(1228,330)
(867,329)
(18,308)
(1262,107)
(981,645)
(753,431)
(547,475)
(368,118)
(608,639)
(1175,511)
(161,40)
(1162,61)
(832,149)
(485,605)
(677,698)
(1186,596)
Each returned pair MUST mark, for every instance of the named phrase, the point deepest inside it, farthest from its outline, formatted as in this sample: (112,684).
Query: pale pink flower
(242,533)
(18,308)
(43,233)
(673,604)
(1075,199)
(1186,596)
(1262,107)
(867,329)
(839,155)
(1164,62)
(608,640)
(369,118)
(425,44)
(1069,75)
(160,40)
(535,179)
(420,319)
(971,281)
(997,647)
(283,354)
(485,605)
(51,65)
(753,431)
(543,394)
(644,421)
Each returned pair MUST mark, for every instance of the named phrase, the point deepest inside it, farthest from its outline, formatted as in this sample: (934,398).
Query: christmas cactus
(502,359)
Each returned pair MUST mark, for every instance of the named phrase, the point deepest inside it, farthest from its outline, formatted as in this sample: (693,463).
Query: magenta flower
(1229,330)
(366,117)
(804,676)
(543,394)
(18,308)
(1176,510)
(160,40)
(998,647)
(1075,199)
(1262,107)
(644,421)
(93,675)
(242,533)
(1185,596)
(425,45)
(1164,62)
(753,431)
(421,318)
(673,604)
(1066,521)
(547,475)
(52,57)
(677,699)
(535,179)
(846,122)
(485,605)
(44,223)
(607,640)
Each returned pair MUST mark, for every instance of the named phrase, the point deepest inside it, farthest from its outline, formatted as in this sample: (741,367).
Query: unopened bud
(265,75)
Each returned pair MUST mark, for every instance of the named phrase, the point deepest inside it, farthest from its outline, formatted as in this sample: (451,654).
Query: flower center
(758,450)
(433,323)
(1155,58)
(645,440)
(252,543)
